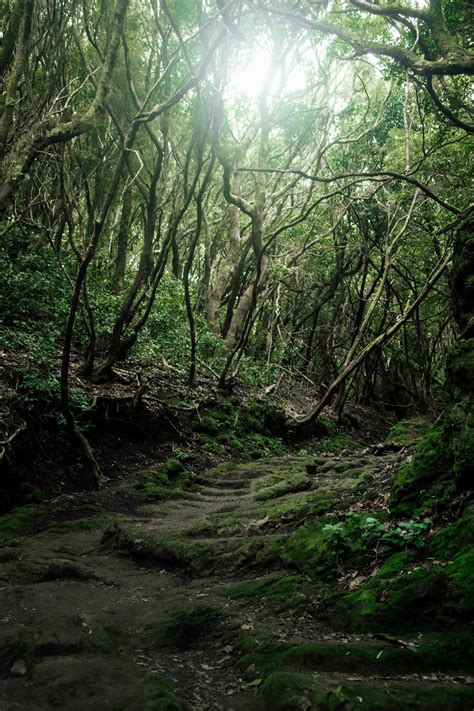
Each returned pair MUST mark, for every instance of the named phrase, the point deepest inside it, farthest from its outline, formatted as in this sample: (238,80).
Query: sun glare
(248,78)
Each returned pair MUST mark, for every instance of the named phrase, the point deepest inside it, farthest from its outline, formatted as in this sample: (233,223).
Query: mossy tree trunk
(461,359)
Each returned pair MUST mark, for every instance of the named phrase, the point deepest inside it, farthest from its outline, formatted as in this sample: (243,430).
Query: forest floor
(211,598)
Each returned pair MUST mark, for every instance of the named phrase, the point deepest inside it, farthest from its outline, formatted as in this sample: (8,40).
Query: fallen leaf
(357,581)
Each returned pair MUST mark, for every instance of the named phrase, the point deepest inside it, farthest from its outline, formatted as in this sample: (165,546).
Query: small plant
(401,535)
(373,528)
(180,454)
(338,537)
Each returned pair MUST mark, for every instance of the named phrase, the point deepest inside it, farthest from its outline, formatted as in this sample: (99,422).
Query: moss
(396,564)
(363,477)
(405,600)
(286,691)
(90,523)
(165,549)
(447,542)
(207,425)
(404,594)
(274,588)
(280,483)
(290,692)
(28,571)
(337,442)
(451,652)
(247,641)
(210,444)
(341,466)
(332,440)
(255,429)
(167,482)
(286,510)
(231,440)
(185,625)
(21,521)
(264,445)
(99,681)
(440,468)
(203,556)
(408,431)
(159,696)
(218,470)
(296,507)
(324,547)
(460,365)
(172,468)
(263,418)
(460,580)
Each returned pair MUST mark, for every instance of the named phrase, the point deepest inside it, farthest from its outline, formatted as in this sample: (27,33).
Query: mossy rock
(406,594)
(280,483)
(435,652)
(263,418)
(286,691)
(200,557)
(460,366)
(403,602)
(172,468)
(169,481)
(451,540)
(79,682)
(173,550)
(257,427)
(441,466)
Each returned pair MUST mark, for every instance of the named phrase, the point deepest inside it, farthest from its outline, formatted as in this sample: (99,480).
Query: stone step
(233,484)
(215,492)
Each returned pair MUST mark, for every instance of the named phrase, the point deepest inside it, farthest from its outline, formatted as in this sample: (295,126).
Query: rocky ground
(282,583)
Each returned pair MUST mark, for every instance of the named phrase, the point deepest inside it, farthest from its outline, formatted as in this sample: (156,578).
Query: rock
(18,668)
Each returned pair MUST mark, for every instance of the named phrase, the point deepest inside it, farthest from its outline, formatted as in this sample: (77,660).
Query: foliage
(151,238)
(401,534)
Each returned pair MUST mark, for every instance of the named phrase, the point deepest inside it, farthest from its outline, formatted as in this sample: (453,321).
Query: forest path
(199,591)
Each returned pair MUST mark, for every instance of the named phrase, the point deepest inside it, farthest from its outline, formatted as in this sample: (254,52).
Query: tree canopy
(254,190)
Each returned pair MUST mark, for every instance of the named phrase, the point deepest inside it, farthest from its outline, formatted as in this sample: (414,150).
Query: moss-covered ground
(284,582)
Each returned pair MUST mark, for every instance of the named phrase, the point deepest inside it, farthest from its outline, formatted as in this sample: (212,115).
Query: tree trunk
(378,342)
(122,241)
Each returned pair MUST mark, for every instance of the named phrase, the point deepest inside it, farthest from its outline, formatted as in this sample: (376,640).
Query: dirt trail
(156,609)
